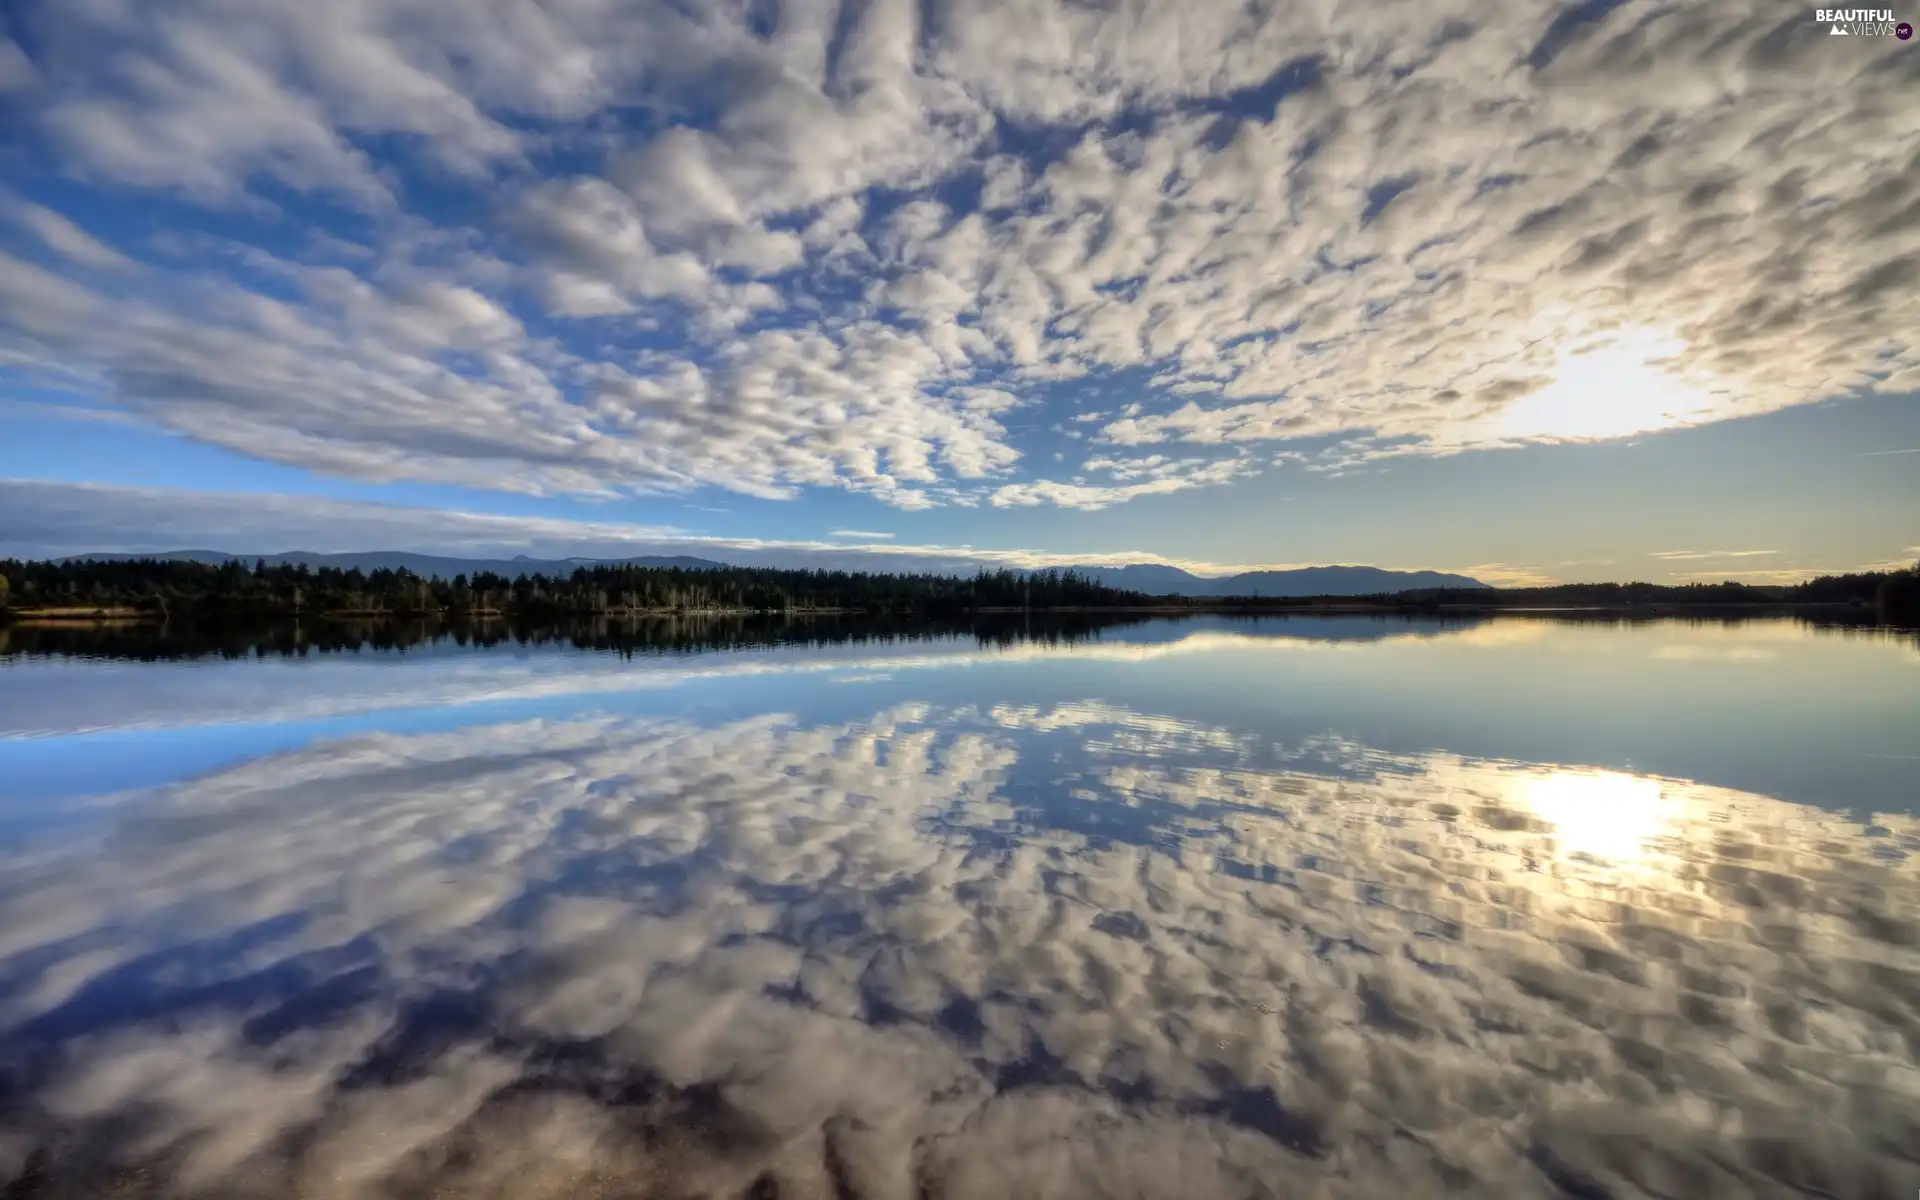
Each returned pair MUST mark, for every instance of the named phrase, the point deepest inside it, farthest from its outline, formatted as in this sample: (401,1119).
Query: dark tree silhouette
(233,590)
(1898,596)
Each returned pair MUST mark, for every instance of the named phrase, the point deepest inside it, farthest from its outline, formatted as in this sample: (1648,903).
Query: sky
(1526,290)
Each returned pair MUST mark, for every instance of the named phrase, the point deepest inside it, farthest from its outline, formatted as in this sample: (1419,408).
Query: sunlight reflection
(1599,814)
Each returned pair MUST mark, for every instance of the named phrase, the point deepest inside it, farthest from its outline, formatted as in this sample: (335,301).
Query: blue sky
(1519,289)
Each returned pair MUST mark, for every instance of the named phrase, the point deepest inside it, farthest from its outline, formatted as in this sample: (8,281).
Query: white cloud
(1157,476)
(1682,555)
(1791,575)
(860,534)
(17,72)
(60,235)
(1460,227)
(1509,575)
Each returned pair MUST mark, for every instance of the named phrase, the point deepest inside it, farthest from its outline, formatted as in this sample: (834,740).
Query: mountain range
(1159,580)
(425,565)
(1151,578)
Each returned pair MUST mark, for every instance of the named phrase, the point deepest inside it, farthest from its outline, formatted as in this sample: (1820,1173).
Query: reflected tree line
(152,642)
(634,638)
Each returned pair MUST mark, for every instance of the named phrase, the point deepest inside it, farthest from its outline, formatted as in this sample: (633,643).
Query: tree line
(233,590)
(165,587)
(1894,594)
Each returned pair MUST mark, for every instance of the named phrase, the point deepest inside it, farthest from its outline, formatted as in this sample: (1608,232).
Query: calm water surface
(1314,907)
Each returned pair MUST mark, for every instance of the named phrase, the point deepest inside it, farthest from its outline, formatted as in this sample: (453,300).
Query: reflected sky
(1519,908)
(1820,715)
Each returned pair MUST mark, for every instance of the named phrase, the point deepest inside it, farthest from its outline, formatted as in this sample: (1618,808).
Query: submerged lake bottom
(1280,907)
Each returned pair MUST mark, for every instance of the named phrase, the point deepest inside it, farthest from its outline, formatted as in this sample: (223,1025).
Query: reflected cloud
(1731,654)
(1139,733)
(1067,949)
(48,698)
(52,696)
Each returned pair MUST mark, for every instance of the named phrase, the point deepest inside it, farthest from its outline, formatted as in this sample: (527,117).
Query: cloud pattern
(603,247)
(1011,951)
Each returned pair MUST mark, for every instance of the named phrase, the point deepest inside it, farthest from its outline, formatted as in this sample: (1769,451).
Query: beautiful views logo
(1862,22)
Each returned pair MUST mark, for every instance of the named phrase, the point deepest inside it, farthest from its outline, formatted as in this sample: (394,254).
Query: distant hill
(1303,581)
(430,566)
(1151,578)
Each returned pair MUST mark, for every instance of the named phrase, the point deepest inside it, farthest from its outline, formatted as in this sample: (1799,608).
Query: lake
(1289,907)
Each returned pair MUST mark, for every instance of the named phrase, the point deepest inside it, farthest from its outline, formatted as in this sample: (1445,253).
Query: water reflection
(1824,716)
(148,642)
(153,643)
(1008,949)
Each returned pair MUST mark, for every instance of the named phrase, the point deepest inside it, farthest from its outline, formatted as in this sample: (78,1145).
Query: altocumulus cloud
(847,246)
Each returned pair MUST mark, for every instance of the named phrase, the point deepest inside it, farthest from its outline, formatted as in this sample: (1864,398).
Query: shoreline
(74,615)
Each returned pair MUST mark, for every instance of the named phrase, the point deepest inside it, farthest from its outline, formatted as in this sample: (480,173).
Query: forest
(194,591)
(168,588)
(1895,594)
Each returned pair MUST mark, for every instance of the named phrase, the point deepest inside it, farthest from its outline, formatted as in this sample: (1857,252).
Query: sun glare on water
(1599,814)
(1610,386)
